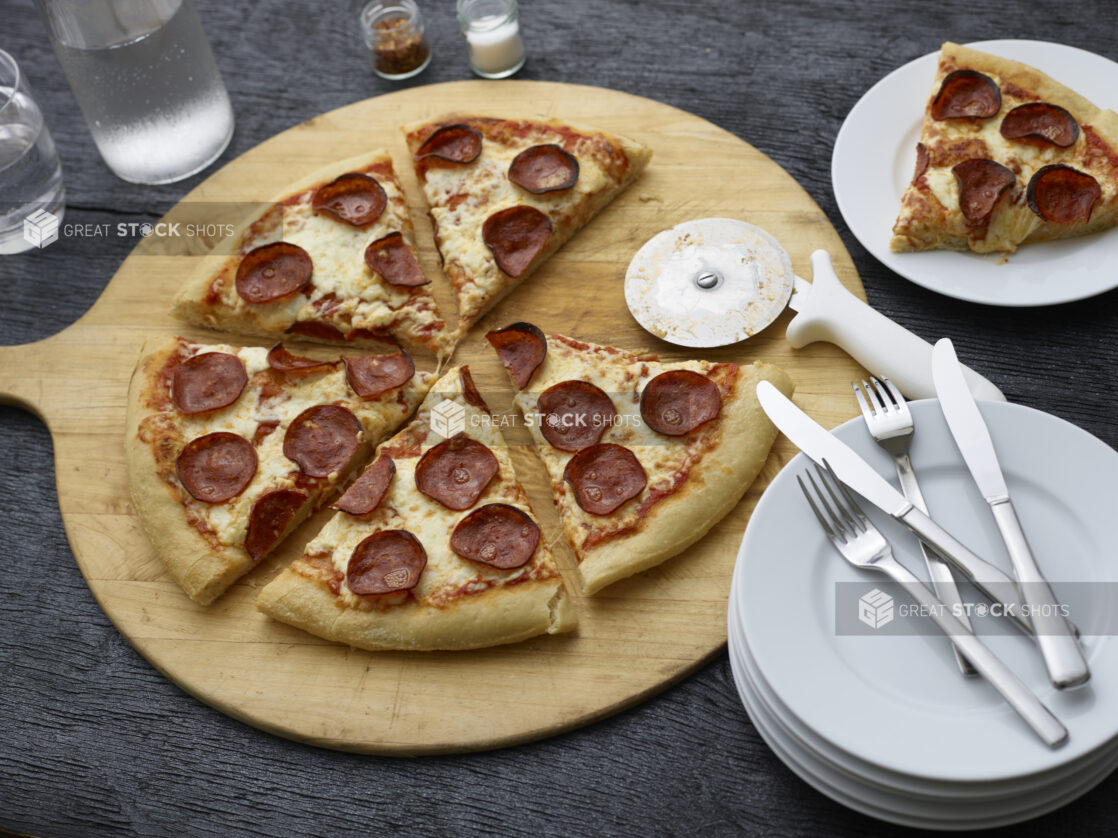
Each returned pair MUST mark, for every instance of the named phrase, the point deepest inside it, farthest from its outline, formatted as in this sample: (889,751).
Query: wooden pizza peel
(635,638)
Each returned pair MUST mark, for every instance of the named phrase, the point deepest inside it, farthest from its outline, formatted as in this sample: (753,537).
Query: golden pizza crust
(201,570)
(492,286)
(931,220)
(190,303)
(493,617)
(714,487)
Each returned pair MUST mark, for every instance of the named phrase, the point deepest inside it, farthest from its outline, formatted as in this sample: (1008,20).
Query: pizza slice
(505,194)
(1007,156)
(645,456)
(332,259)
(230,448)
(434,546)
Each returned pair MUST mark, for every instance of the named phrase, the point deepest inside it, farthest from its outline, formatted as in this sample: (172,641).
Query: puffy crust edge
(720,480)
(202,572)
(491,618)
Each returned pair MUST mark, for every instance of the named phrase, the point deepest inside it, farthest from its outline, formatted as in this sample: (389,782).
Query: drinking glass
(146,81)
(32,198)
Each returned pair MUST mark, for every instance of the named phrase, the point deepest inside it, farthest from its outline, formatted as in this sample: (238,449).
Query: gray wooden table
(94,741)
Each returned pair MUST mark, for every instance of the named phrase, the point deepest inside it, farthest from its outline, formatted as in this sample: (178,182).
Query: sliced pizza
(505,194)
(229,448)
(1007,156)
(333,259)
(434,546)
(644,456)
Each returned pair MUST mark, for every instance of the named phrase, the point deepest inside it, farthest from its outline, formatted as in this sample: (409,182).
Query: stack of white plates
(886,724)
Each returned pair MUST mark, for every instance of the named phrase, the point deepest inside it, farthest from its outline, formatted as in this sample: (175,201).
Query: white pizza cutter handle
(830,313)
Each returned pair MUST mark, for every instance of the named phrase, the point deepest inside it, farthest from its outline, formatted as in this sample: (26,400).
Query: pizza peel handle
(830,313)
(20,383)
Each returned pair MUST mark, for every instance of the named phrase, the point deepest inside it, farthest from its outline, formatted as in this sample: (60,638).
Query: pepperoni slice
(982,185)
(356,199)
(283,361)
(469,389)
(456,471)
(208,382)
(516,236)
(273,272)
(270,518)
(368,490)
(374,375)
(1063,195)
(322,439)
(216,467)
(676,402)
(391,257)
(386,562)
(921,161)
(497,535)
(455,143)
(521,348)
(1041,121)
(544,168)
(574,414)
(967,94)
(604,477)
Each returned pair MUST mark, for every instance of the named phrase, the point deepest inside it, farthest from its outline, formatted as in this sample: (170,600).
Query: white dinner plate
(878,803)
(901,785)
(898,701)
(873,161)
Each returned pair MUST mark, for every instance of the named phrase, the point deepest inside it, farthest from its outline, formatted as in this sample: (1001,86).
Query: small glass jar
(393,30)
(492,31)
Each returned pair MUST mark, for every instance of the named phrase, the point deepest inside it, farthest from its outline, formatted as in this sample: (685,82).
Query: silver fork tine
(863,405)
(894,392)
(824,522)
(875,394)
(852,516)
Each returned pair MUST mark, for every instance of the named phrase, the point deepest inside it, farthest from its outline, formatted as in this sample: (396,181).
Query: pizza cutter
(717,281)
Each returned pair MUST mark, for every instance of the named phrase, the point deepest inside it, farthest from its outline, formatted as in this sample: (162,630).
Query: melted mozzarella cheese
(274,471)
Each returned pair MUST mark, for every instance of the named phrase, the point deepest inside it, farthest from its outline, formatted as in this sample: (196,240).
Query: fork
(863,545)
(890,423)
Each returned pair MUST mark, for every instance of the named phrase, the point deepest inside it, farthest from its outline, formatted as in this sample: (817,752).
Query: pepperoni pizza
(230,448)
(505,194)
(332,259)
(434,546)
(644,456)
(1007,156)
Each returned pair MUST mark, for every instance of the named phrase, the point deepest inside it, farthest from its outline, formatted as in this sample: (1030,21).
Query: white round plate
(877,803)
(898,701)
(873,161)
(902,785)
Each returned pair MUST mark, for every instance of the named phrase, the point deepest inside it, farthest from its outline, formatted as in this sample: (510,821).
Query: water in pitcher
(30,174)
(147,83)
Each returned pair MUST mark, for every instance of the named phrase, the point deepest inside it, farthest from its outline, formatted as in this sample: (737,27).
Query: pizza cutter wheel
(717,281)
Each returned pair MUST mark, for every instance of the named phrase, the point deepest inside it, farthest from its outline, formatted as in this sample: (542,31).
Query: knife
(819,444)
(1062,656)
(828,312)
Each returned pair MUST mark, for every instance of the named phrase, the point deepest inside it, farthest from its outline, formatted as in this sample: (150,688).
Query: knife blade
(1062,656)
(820,444)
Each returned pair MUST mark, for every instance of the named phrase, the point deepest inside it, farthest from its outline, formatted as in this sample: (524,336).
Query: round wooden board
(635,638)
